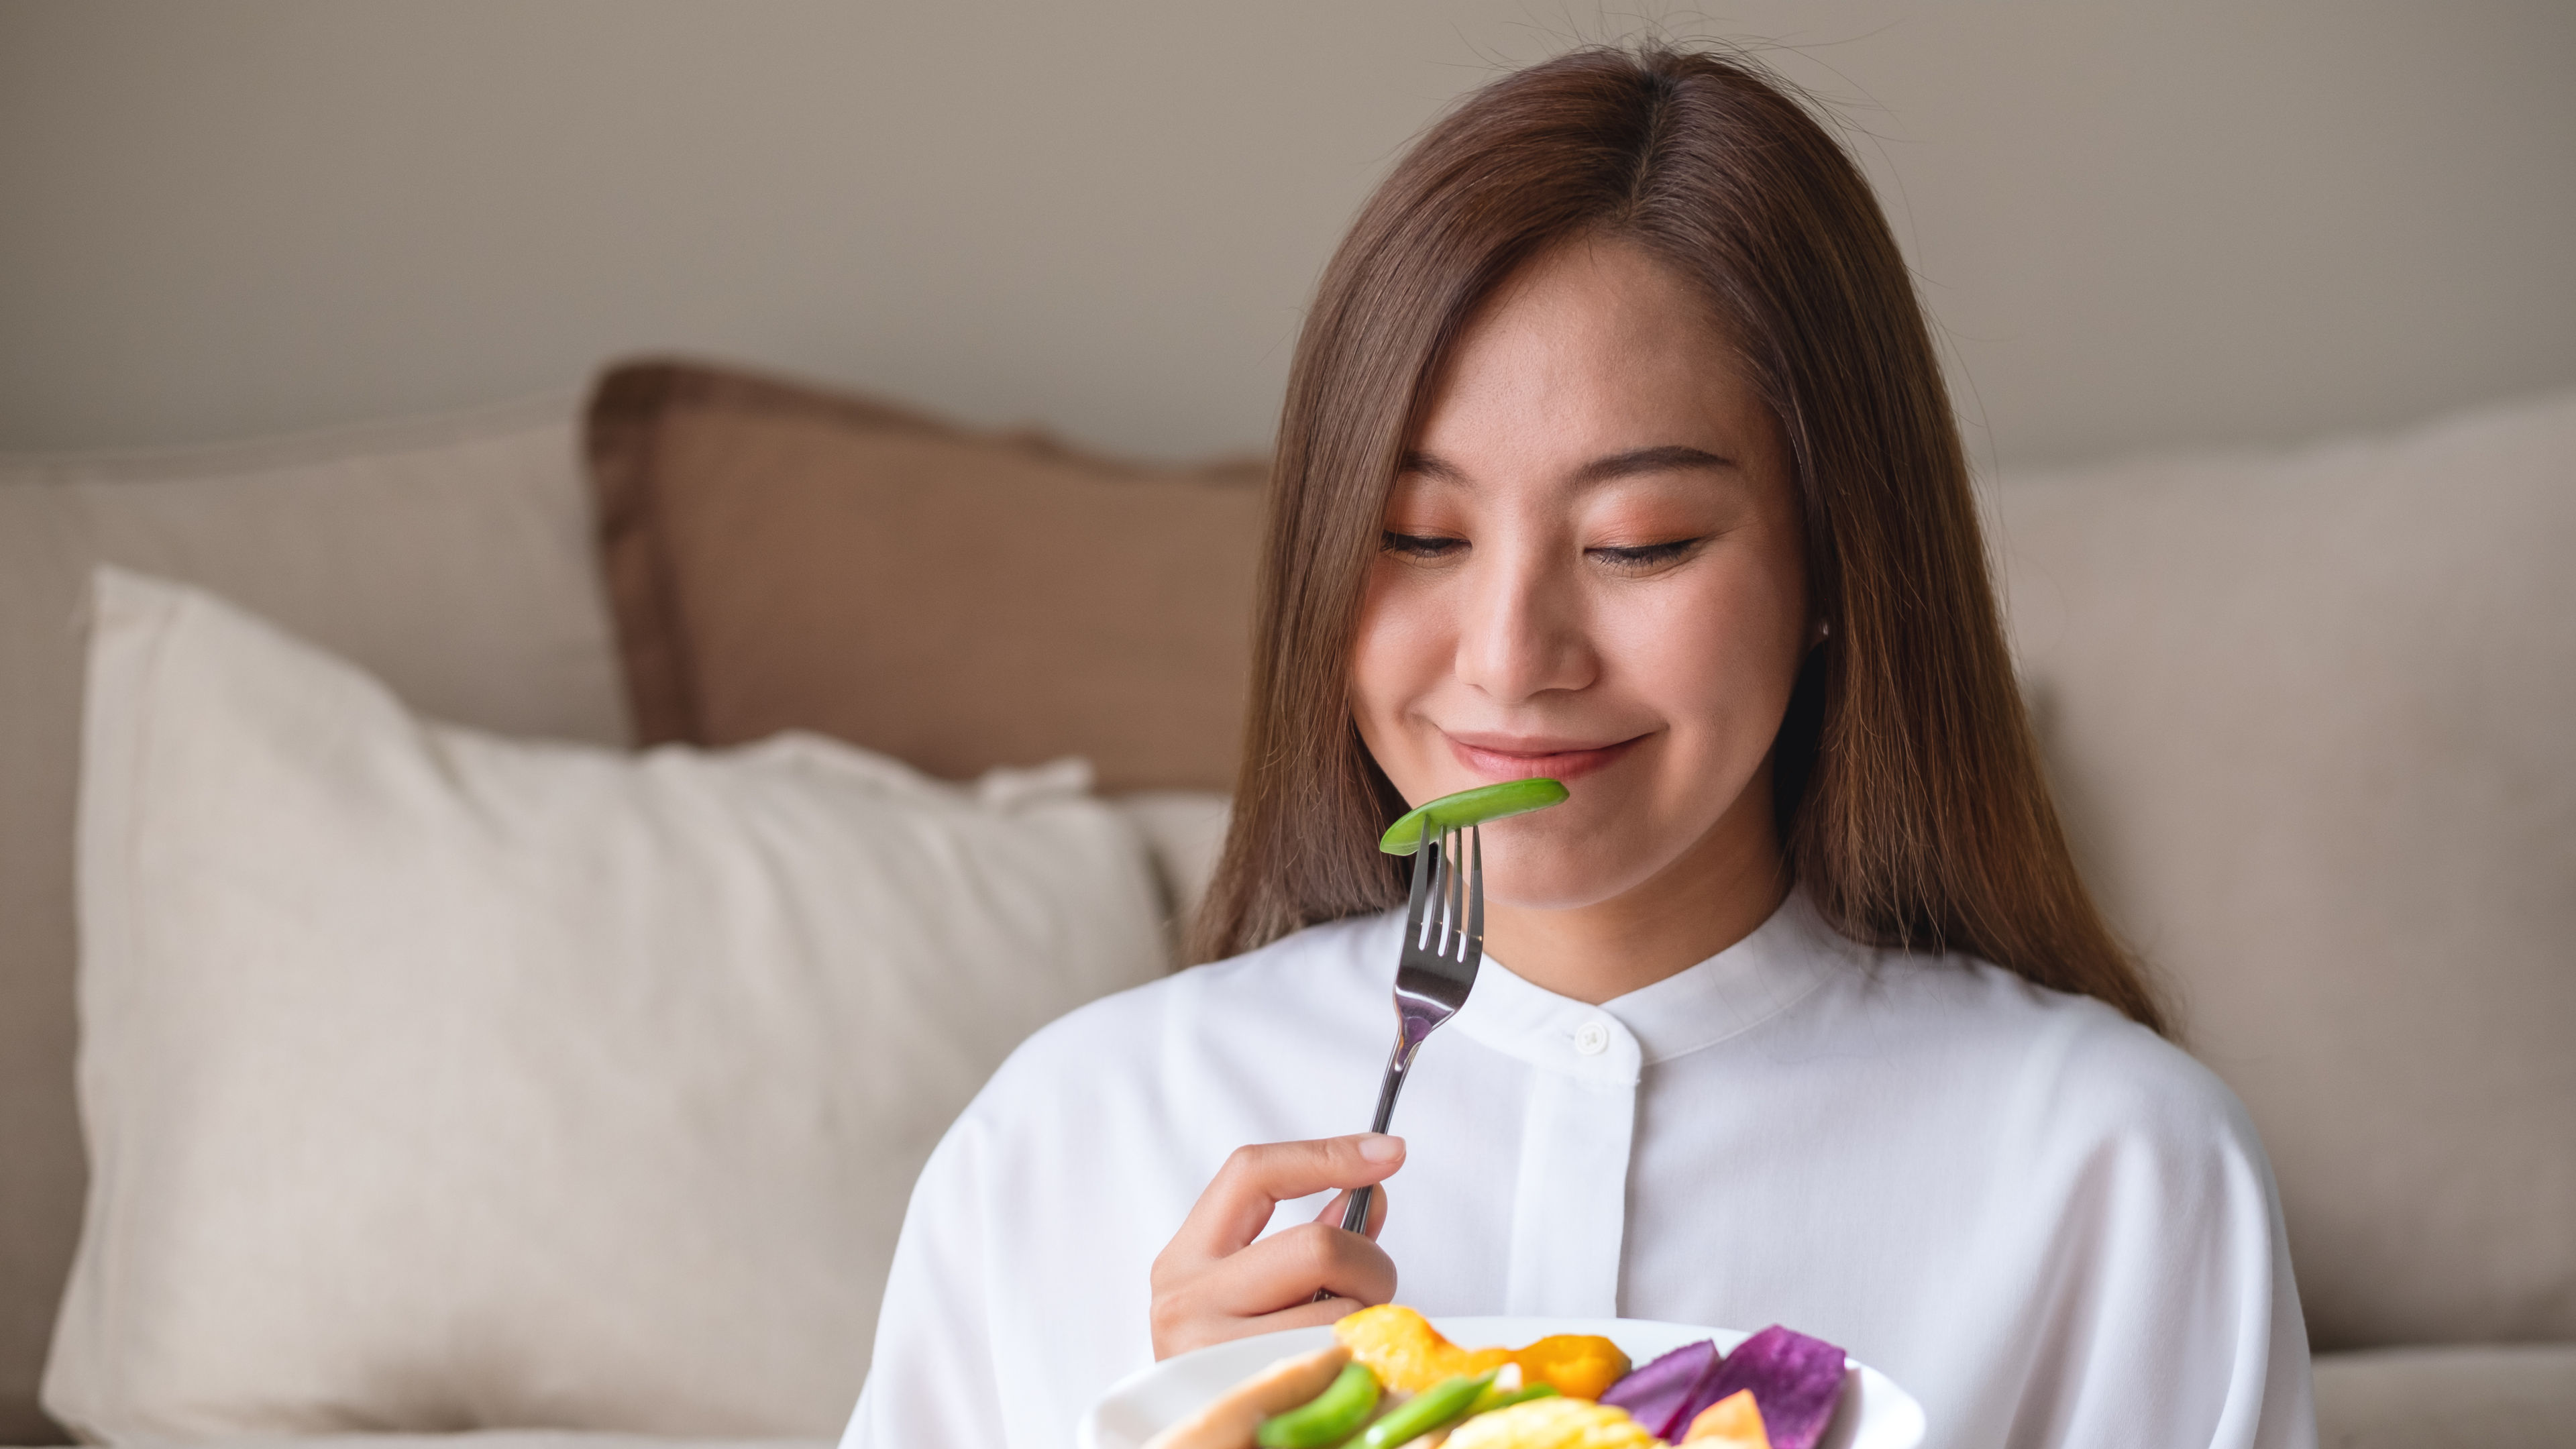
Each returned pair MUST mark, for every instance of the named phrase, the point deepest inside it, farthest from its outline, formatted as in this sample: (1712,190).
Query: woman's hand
(1214,1282)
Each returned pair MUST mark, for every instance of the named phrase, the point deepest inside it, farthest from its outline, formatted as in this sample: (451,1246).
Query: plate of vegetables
(1389,1378)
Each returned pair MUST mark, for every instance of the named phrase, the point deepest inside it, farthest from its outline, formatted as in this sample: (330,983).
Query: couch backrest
(2312,720)
(2309,715)
(452,558)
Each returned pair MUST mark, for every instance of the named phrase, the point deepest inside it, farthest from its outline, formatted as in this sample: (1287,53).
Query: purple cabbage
(1655,1394)
(1796,1382)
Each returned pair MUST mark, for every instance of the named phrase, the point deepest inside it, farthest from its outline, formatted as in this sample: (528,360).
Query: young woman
(1616,450)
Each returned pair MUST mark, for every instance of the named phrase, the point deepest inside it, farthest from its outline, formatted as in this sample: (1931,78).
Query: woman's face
(1591,569)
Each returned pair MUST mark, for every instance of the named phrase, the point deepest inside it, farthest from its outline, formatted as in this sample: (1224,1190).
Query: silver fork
(1444,942)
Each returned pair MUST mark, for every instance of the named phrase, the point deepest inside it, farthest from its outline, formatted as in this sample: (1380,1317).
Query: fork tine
(1476,894)
(1435,924)
(1460,953)
(1423,862)
(1456,913)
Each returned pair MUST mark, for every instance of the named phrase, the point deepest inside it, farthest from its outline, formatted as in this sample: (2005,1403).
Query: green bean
(1469,807)
(1435,1407)
(1326,1419)
(1490,1400)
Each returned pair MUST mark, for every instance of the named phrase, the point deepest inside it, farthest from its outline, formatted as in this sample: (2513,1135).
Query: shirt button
(1592,1038)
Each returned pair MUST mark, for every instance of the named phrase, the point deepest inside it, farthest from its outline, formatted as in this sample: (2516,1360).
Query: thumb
(1341,1204)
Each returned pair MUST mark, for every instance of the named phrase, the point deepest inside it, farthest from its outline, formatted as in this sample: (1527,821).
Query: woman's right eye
(1419,545)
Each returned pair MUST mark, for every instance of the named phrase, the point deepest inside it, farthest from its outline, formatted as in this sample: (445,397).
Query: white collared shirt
(2046,1223)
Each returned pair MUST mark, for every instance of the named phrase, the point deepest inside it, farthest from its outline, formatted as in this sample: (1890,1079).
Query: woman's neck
(1715,894)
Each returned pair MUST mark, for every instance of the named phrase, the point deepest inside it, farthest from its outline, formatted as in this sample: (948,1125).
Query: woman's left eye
(1642,557)
(1419,545)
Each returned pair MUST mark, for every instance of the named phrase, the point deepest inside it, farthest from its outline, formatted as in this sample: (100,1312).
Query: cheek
(1721,653)
(1398,652)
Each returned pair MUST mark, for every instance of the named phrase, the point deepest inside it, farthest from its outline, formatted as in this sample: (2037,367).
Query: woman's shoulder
(2072,1061)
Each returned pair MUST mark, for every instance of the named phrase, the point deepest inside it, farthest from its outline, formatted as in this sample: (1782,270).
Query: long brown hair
(1910,799)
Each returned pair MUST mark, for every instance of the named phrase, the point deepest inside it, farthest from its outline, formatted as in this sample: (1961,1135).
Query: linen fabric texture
(436,1080)
(451,556)
(2311,719)
(781,557)
(2046,1223)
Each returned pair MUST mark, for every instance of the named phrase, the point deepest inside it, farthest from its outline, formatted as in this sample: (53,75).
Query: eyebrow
(1671,457)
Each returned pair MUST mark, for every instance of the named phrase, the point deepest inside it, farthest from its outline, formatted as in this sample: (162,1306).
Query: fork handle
(1398,1062)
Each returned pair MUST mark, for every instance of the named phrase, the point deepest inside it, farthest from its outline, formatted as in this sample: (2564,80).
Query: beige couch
(2310,716)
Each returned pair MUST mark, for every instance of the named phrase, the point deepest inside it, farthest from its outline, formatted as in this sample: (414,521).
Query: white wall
(2175,222)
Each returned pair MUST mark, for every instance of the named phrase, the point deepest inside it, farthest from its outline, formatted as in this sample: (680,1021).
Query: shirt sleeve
(2172,1319)
(932,1381)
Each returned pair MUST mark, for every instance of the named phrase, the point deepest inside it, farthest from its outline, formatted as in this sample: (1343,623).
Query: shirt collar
(1787,956)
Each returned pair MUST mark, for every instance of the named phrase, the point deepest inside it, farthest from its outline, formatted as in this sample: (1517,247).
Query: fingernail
(1378,1147)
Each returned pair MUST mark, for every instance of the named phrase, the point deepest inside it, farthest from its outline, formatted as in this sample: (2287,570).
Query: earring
(1824,630)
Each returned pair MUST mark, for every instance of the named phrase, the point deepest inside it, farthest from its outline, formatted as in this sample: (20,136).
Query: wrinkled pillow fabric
(2312,720)
(453,557)
(435,1080)
(787,557)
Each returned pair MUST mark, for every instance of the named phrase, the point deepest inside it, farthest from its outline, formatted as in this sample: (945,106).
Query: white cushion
(435,1080)
(453,557)
(2312,718)
(1184,832)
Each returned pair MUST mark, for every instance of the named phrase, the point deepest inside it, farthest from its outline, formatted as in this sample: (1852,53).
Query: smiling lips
(1512,757)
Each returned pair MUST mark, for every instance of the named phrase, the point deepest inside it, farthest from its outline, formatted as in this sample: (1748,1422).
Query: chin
(1595,848)
(1559,875)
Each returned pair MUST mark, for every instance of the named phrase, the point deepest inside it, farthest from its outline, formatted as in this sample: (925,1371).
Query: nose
(1523,633)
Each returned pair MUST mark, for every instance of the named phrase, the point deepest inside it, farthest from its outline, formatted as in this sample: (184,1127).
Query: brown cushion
(783,557)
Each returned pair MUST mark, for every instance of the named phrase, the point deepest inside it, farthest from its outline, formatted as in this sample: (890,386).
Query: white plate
(1875,1413)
